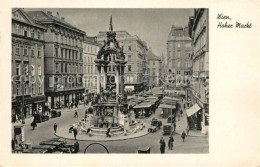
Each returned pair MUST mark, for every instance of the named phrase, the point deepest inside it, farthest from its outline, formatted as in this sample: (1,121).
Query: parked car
(167,129)
(38,118)
(55,113)
(156,122)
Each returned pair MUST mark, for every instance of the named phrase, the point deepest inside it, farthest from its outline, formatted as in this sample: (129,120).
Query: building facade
(135,51)
(199,92)
(154,69)
(90,49)
(178,51)
(27,65)
(63,59)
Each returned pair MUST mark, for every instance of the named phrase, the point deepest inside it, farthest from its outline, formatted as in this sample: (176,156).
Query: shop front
(64,98)
(31,105)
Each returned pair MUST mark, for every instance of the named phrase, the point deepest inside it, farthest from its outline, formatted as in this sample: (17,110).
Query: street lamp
(21,82)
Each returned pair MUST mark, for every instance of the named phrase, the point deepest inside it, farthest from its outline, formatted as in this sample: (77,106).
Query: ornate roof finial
(111,24)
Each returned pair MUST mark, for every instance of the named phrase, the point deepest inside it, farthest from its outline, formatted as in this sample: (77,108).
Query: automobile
(55,113)
(167,129)
(171,119)
(144,150)
(38,118)
(156,122)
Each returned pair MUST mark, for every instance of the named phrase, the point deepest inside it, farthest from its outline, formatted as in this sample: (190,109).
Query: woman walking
(162,146)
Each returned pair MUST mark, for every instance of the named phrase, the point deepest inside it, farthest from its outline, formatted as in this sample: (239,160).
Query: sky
(151,25)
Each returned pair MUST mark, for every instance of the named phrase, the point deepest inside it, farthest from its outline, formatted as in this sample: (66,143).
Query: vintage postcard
(107,78)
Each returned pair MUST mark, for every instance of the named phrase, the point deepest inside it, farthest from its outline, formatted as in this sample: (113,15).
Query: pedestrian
(162,145)
(181,112)
(170,142)
(76,114)
(55,127)
(34,124)
(183,135)
(76,147)
(75,132)
(187,130)
(174,126)
(108,133)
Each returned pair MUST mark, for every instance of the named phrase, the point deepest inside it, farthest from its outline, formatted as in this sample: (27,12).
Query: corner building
(63,59)
(199,92)
(27,65)
(178,51)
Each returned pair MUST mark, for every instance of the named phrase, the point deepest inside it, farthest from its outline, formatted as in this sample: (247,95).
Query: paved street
(44,131)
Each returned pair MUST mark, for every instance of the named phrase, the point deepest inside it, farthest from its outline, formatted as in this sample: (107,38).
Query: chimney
(62,18)
(49,12)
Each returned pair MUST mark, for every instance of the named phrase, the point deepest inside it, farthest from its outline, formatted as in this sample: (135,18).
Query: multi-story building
(27,65)
(154,69)
(135,51)
(90,49)
(178,51)
(199,92)
(63,59)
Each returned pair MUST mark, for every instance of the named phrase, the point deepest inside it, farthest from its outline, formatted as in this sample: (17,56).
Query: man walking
(183,135)
(76,114)
(55,127)
(75,132)
(170,142)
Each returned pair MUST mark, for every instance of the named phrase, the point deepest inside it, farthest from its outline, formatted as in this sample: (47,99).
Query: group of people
(170,142)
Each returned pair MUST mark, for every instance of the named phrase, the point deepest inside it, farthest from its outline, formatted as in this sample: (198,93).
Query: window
(187,64)
(17,49)
(18,89)
(39,35)
(26,68)
(153,62)
(61,38)
(129,57)
(32,50)
(17,28)
(88,48)
(129,68)
(32,33)
(33,90)
(57,67)
(91,49)
(129,48)
(56,52)
(66,68)
(80,56)
(18,69)
(178,72)
(76,55)
(39,51)
(95,49)
(25,32)
(39,70)
(25,89)
(114,68)
(57,39)
(25,50)
(61,66)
